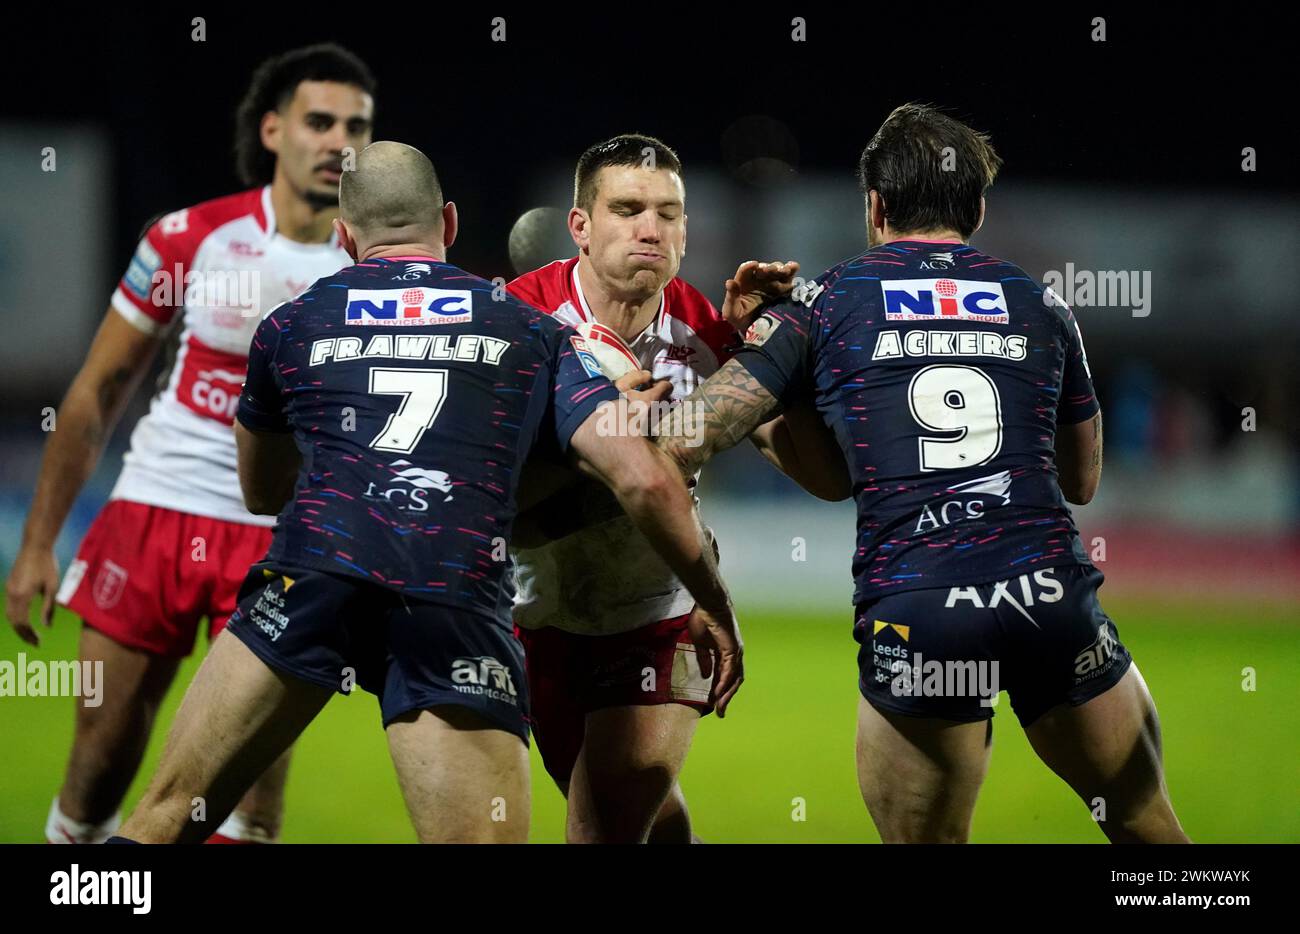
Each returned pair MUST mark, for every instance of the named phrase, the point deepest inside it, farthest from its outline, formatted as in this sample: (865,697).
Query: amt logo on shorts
(484,675)
(1099,656)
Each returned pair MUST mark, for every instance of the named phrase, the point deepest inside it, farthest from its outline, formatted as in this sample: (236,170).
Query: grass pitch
(1230,753)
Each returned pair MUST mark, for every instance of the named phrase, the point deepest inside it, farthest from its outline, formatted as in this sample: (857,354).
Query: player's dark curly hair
(930,169)
(273,85)
(626,149)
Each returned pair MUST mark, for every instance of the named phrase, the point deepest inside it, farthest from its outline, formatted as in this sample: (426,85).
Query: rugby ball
(613,355)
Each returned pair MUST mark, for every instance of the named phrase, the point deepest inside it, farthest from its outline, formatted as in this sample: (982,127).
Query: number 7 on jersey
(423,392)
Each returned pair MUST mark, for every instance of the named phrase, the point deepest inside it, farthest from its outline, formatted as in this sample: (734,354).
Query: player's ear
(979,223)
(580,227)
(345,238)
(875,210)
(269,131)
(450,223)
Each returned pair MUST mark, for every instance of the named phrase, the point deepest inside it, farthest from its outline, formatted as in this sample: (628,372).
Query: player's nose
(647,227)
(337,140)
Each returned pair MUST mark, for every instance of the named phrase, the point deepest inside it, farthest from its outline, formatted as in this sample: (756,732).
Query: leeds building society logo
(944,300)
(484,675)
(413,307)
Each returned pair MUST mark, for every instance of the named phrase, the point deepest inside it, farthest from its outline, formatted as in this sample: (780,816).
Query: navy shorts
(947,652)
(336,631)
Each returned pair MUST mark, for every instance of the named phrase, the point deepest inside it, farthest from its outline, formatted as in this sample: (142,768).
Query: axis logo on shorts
(411,307)
(944,299)
(484,675)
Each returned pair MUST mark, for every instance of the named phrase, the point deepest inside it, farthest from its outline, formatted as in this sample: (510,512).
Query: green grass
(1230,754)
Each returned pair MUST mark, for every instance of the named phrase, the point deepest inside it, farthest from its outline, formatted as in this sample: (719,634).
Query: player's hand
(655,390)
(754,285)
(35,574)
(717,635)
(639,400)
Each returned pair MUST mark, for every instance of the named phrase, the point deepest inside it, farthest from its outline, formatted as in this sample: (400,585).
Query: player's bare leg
(626,770)
(673,822)
(1108,751)
(257,817)
(237,718)
(110,740)
(920,776)
(464,779)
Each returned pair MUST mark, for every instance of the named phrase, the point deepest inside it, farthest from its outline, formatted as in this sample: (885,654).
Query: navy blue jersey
(415,392)
(943,373)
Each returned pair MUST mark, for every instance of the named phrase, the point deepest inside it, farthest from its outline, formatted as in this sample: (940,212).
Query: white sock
(60,828)
(237,827)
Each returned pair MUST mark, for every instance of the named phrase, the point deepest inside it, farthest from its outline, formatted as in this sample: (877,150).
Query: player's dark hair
(273,86)
(929,169)
(627,149)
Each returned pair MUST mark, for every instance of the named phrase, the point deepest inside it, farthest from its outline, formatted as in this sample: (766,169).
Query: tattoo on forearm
(1096,437)
(718,415)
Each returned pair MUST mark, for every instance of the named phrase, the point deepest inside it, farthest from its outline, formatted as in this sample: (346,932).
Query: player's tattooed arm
(1079,459)
(718,415)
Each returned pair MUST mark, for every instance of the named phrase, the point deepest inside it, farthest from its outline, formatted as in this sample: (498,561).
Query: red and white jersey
(607,578)
(218,267)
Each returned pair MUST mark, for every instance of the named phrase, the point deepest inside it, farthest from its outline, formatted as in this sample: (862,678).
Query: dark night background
(1166,101)
(1123,154)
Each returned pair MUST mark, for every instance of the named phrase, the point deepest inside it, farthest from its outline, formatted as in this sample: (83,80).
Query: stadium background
(1120,155)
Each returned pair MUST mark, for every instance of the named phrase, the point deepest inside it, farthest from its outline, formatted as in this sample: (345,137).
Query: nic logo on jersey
(944,299)
(408,307)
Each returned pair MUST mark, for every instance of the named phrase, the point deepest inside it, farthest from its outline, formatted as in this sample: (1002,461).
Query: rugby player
(964,407)
(616,691)
(174,541)
(402,375)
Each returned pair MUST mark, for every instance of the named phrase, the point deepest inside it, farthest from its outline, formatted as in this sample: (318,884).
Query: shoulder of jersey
(810,291)
(179,233)
(545,288)
(1012,276)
